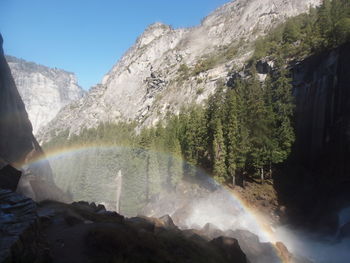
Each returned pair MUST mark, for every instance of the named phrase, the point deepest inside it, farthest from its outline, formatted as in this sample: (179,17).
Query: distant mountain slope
(44,90)
(168,68)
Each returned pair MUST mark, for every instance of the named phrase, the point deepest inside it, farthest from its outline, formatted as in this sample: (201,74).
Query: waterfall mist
(135,181)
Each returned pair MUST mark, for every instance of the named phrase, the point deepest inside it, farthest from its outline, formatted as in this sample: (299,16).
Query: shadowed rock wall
(18,146)
(317,181)
(16,138)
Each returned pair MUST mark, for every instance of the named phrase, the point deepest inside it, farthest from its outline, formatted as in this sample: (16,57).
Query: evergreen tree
(291,32)
(231,133)
(219,153)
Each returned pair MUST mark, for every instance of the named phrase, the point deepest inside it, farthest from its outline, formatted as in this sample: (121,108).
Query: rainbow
(265,231)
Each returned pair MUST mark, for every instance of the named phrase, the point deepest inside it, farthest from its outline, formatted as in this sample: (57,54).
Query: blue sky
(87,37)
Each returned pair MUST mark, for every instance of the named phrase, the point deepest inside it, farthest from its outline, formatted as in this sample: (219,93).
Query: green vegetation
(184,72)
(325,27)
(222,55)
(240,131)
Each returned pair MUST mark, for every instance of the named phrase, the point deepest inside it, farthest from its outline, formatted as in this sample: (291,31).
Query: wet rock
(211,231)
(283,252)
(167,222)
(137,239)
(9,178)
(19,230)
(231,248)
(142,223)
(255,250)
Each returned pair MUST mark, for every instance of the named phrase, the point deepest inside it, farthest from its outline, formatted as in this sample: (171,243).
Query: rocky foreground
(83,232)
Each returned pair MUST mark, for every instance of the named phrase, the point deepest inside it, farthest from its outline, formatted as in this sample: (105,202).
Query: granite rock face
(16,138)
(18,145)
(44,90)
(158,73)
(316,187)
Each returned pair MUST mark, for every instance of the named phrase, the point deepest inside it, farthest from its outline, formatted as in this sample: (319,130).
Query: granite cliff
(167,68)
(315,182)
(18,146)
(44,90)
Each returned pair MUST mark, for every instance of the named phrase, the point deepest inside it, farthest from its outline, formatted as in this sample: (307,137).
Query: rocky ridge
(168,68)
(44,90)
(83,232)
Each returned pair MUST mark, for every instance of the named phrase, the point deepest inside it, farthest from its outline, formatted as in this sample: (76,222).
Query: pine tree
(325,23)
(243,142)
(283,106)
(219,153)
(231,133)
(291,32)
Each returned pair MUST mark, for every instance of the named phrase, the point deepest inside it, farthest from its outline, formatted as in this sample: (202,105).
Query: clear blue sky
(87,37)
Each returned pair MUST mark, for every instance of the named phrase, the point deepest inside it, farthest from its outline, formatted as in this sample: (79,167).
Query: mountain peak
(166,69)
(153,32)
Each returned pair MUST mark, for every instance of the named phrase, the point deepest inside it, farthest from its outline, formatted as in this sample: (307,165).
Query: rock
(135,239)
(19,229)
(142,223)
(322,145)
(167,222)
(264,66)
(231,248)
(211,231)
(283,252)
(255,250)
(18,145)
(147,82)
(44,90)
(9,178)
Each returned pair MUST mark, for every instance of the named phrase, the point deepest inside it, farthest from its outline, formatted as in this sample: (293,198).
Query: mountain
(167,68)
(44,90)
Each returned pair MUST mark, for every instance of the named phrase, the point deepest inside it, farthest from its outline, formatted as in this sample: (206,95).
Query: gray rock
(147,81)
(44,90)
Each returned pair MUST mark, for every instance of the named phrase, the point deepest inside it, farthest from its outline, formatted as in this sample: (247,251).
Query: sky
(88,37)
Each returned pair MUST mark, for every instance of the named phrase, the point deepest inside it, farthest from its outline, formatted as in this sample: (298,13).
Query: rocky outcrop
(83,232)
(44,90)
(20,239)
(167,68)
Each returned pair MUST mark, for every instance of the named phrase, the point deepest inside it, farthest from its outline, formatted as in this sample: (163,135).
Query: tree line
(242,129)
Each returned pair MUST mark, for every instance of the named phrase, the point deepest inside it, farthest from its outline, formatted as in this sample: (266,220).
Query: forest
(244,129)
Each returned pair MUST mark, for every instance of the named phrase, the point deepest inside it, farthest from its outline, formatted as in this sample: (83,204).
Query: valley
(229,138)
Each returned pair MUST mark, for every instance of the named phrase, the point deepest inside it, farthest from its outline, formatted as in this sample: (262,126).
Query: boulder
(19,230)
(231,248)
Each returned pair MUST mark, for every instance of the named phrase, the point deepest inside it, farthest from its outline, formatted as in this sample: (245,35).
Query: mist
(152,185)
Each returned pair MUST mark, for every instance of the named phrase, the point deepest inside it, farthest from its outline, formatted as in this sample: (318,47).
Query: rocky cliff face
(168,68)
(317,186)
(18,145)
(16,138)
(44,90)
